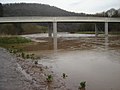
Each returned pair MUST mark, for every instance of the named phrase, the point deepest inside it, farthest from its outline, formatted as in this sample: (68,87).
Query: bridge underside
(96,29)
(55,32)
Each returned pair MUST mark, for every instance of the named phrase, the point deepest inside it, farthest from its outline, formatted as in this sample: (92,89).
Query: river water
(99,66)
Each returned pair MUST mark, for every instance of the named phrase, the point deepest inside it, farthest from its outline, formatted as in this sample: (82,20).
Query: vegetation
(19,28)
(83,28)
(20,53)
(12,44)
(34,9)
(23,55)
(64,76)
(49,78)
(82,85)
(13,40)
(36,62)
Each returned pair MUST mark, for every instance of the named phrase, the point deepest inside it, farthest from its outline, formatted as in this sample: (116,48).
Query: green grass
(16,41)
(13,40)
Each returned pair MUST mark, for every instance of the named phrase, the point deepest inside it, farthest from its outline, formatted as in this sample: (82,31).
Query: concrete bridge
(55,20)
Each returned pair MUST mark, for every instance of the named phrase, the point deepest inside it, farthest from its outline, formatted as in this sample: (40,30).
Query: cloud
(93,6)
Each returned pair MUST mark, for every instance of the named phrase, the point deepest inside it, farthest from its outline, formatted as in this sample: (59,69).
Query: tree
(1,10)
(112,12)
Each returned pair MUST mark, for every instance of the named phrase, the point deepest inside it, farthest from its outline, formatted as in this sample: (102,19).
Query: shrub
(82,85)
(49,78)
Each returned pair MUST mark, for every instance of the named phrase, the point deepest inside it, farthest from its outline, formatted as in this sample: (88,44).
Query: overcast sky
(86,6)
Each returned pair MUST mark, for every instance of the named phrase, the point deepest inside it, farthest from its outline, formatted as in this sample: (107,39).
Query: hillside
(32,9)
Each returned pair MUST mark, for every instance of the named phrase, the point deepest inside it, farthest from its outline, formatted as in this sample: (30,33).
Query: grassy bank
(8,41)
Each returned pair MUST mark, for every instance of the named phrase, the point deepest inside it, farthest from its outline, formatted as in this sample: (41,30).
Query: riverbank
(35,74)
(10,77)
(39,74)
(21,71)
(72,58)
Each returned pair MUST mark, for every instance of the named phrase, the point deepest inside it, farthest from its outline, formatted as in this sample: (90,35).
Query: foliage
(36,62)
(22,28)
(23,55)
(82,85)
(33,9)
(49,78)
(64,75)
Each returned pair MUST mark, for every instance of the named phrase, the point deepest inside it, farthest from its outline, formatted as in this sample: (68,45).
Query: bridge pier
(55,35)
(96,30)
(49,30)
(106,28)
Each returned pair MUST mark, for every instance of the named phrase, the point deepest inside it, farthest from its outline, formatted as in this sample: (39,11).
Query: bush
(49,78)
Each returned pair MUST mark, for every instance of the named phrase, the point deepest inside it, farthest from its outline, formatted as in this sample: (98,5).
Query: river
(98,66)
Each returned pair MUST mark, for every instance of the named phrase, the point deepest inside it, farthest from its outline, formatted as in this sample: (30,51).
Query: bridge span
(55,20)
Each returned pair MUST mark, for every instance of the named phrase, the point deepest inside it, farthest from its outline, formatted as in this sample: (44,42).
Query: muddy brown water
(99,65)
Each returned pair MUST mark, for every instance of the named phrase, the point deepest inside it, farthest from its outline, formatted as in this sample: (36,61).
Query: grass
(49,78)
(16,41)
(16,45)
(13,40)
(64,76)
(82,85)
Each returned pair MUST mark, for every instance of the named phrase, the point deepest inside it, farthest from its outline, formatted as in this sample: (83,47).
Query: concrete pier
(106,28)
(96,30)
(49,30)
(55,35)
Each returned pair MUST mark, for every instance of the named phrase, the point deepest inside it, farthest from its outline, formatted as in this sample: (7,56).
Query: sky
(78,6)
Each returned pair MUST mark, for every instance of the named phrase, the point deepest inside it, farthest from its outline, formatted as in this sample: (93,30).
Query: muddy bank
(38,74)
(62,44)
(25,74)
(74,43)
(10,77)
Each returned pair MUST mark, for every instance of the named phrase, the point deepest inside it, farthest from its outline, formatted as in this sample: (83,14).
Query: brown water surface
(98,64)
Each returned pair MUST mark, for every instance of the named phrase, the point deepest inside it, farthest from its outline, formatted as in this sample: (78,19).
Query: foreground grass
(13,40)
(8,41)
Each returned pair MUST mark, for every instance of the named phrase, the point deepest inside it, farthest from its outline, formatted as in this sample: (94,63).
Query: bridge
(55,20)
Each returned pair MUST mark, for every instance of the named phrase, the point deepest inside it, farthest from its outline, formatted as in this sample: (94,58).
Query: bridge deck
(56,19)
